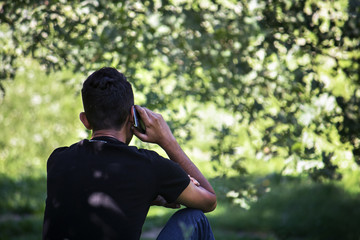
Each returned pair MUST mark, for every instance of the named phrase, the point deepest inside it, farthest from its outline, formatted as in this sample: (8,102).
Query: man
(102,188)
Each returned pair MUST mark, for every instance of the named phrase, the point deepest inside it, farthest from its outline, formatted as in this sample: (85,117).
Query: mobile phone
(138,123)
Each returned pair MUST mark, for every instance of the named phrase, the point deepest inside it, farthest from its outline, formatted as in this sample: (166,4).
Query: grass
(21,227)
(22,196)
(294,208)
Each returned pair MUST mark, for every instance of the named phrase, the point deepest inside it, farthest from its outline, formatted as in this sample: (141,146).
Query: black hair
(107,98)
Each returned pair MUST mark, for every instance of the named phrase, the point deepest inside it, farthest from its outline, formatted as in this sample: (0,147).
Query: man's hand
(160,201)
(194,181)
(157,130)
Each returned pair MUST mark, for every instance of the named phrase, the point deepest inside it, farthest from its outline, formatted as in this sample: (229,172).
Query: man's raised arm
(201,196)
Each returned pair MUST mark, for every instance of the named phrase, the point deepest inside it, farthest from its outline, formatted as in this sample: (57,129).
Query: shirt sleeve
(171,178)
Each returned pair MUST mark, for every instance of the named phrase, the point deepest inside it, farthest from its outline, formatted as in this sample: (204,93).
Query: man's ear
(132,114)
(85,121)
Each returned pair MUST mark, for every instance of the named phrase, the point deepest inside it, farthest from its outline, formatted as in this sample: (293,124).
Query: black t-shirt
(103,188)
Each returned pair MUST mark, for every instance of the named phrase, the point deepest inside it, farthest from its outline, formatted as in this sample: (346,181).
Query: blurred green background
(263,96)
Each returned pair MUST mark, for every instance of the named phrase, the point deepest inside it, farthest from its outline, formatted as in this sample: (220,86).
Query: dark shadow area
(21,207)
(294,208)
(25,195)
(21,227)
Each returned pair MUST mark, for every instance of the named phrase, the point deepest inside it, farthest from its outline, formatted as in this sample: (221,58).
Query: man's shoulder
(63,154)
(66,149)
(146,152)
(154,157)
(85,148)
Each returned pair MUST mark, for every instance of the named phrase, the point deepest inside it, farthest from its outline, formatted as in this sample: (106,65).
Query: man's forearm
(157,131)
(176,154)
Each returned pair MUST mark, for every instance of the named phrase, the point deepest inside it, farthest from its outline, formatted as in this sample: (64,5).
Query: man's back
(102,189)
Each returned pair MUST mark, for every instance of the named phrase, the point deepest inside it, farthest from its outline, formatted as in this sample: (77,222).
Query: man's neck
(119,135)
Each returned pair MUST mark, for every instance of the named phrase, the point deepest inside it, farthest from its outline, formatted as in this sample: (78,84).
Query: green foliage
(253,86)
(36,117)
(278,65)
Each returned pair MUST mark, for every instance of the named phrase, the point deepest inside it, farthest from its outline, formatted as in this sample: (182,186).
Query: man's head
(107,98)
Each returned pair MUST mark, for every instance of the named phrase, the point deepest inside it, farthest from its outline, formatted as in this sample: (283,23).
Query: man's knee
(191,220)
(189,213)
(187,223)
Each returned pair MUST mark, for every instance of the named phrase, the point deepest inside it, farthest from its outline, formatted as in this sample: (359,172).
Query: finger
(152,114)
(138,134)
(172,205)
(194,181)
(143,113)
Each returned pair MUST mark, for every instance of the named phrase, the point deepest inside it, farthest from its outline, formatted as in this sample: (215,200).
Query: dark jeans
(187,224)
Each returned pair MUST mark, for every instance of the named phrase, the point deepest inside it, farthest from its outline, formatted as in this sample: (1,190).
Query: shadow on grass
(25,195)
(295,209)
(21,207)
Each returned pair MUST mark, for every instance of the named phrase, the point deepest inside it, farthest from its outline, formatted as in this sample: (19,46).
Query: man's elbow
(211,205)
(210,208)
